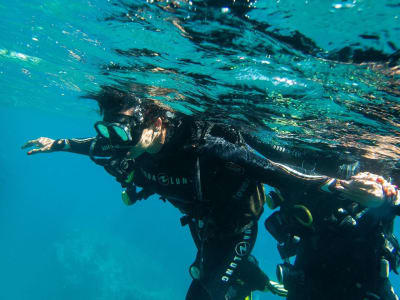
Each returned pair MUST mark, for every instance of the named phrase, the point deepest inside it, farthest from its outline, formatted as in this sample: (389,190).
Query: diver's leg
(225,245)
(197,292)
(223,260)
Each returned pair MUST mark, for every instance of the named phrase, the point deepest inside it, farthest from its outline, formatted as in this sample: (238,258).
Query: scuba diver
(207,171)
(344,249)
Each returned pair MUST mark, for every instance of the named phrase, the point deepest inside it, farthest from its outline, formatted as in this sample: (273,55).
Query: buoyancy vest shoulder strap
(202,129)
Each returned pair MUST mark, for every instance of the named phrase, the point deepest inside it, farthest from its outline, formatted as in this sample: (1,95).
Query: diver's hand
(276,289)
(368,189)
(42,145)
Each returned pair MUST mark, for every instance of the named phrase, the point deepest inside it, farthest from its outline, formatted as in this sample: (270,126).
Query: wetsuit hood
(178,134)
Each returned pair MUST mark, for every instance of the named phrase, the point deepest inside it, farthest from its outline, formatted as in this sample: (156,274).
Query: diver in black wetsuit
(208,172)
(344,249)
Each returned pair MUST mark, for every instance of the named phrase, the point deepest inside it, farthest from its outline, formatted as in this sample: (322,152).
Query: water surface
(316,74)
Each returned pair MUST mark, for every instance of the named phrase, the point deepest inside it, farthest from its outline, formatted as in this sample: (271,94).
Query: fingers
(35,151)
(368,177)
(390,190)
(368,189)
(43,149)
(357,188)
(30,143)
(42,144)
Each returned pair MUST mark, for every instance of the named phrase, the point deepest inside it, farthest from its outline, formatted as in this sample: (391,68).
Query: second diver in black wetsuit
(207,171)
(344,249)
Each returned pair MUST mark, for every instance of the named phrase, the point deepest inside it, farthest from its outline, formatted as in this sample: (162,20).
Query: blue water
(324,73)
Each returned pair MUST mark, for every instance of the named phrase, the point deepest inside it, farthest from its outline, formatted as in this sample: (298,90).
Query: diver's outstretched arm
(79,146)
(366,188)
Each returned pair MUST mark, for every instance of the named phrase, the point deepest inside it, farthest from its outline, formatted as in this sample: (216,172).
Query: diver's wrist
(61,145)
(330,185)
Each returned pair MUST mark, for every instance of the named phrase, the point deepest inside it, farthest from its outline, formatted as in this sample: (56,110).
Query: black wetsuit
(209,173)
(342,253)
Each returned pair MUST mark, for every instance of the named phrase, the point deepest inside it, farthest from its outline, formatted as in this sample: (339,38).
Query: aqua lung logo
(242,249)
(164,179)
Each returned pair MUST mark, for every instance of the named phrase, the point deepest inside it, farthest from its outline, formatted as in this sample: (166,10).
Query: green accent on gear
(249,297)
(309,219)
(274,201)
(126,199)
(270,203)
(130,177)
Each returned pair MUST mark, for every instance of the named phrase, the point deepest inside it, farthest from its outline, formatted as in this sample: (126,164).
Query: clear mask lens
(121,133)
(103,130)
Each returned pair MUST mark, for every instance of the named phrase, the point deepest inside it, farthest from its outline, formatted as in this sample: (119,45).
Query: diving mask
(124,131)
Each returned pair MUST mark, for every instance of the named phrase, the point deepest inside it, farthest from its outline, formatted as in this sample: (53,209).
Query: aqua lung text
(164,179)
(242,249)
